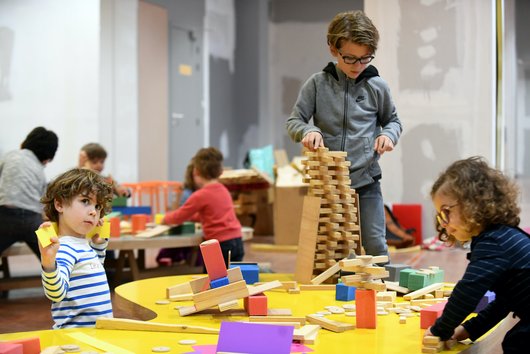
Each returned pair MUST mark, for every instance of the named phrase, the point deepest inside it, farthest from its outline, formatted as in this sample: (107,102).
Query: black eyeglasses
(353,60)
(443,216)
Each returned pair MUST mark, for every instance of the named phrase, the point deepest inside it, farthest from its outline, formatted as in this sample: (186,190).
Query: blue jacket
(349,114)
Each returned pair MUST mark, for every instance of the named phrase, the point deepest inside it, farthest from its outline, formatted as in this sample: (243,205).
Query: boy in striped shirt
(73,276)
(478,204)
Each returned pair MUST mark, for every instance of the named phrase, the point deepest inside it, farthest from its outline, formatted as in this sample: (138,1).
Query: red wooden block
(428,315)
(256,305)
(213,259)
(115,227)
(365,308)
(29,345)
(11,348)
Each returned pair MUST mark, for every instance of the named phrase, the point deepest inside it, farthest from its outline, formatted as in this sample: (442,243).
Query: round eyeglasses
(350,59)
(443,216)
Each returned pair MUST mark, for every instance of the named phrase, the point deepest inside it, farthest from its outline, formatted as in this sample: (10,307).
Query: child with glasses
(73,276)
(478,204)
(352,111)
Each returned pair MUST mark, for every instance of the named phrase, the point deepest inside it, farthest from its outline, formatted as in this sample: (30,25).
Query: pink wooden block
(213,259)
(11,348)
(428,315)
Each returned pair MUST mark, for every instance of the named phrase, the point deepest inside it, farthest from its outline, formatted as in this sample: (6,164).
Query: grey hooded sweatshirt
(350,114)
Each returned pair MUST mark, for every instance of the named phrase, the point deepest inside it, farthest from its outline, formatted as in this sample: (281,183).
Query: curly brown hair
(72,183)
(208,162)
(352,26)
(485,195)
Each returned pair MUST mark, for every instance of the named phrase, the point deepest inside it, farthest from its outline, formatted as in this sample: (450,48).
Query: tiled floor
(28,309)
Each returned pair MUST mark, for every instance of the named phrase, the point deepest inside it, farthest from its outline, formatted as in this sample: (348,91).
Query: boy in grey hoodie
(352,111)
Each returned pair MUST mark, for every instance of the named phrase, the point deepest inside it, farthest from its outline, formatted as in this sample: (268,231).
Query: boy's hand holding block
(45,233)
(103,230)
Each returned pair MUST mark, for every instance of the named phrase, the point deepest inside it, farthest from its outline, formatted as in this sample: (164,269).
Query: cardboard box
(288,203)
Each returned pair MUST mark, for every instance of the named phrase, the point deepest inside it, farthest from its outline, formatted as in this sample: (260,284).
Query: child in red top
(211,205)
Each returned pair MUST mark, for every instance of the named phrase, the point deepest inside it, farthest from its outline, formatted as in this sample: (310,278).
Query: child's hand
(383,144)
(48,254)
(460,333)
(122,191)
(313,140)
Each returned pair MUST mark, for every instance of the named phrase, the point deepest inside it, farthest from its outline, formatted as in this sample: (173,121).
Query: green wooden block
(119,201)
(419,280)
(404,277)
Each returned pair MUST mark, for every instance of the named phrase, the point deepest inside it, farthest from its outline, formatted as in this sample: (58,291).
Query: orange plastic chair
(153,189)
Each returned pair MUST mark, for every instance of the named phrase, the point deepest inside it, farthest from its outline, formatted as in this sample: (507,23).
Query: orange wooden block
(213,259)
(365,307)
(138,222)
(429,314)
(29,345)
(11,348)
(115,230)
(256,305)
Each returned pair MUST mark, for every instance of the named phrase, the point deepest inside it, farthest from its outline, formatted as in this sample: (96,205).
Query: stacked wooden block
(327,173)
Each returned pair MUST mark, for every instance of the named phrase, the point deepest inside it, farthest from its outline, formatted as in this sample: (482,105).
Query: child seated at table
(93,156)
(72,273)
(211,204)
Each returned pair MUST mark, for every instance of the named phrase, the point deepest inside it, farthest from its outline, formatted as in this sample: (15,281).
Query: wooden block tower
(338,230)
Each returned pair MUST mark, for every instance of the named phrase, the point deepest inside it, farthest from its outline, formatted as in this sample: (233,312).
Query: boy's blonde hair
(208,162)
(72,183)
(352,26)
(484,195)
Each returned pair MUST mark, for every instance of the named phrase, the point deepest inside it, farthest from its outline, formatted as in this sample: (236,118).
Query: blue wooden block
(344,292)
(250,271)
(488,297)
(217,283)
(131,210)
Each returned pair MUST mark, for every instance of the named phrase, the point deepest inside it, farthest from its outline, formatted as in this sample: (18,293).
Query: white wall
(438,58)
(52,74)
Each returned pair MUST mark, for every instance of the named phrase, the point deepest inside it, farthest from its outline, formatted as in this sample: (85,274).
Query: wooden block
(307,287)
(256,305)
(334,326)
(290,319)
(402,319)
(307,239)
(431,340)
(422,291)
(228,305)
(103,231)
(305,331)
(279,312)
(213,259)
(429,314)
(365,307)
(253,290)
(134,325)
(155,231)
(203,283)
(326,274)
(29,345)
(213,297)
(44,234)
(11,348)
(186,310)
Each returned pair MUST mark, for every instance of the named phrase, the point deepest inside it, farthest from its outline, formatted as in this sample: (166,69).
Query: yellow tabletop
(389,337)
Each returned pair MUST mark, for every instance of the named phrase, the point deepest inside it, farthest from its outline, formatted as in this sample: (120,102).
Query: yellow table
(389,337)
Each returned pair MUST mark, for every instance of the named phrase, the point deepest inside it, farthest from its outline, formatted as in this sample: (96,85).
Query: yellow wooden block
(44,234)
(103,231)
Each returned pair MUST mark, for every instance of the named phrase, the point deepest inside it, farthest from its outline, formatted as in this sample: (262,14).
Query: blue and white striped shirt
(500,262)
(78,287)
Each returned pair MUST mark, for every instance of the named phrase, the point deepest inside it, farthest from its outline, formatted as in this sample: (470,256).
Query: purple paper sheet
(255,338)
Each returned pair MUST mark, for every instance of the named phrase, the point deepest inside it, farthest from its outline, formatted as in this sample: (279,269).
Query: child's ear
(333,50)
(58,205)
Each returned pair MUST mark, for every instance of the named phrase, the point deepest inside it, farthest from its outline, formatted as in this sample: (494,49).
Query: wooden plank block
(305,331)
(299,320)
(326,274)
(178,289)
(334,326)
(203,283)
(134,325)
(422,291)
(305,287)
(219,295)
(307,239)
(155,231)
(253,290)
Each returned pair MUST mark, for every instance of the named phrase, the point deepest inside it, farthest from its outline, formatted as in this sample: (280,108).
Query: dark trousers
(235,247)
(19,225)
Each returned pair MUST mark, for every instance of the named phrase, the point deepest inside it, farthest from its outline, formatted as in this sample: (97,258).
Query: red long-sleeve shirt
(212,206)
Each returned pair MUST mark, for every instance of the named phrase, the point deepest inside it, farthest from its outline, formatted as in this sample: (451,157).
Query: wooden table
(131,256)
